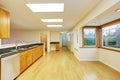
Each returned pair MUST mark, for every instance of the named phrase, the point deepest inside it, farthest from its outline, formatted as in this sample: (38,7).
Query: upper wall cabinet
(4,24)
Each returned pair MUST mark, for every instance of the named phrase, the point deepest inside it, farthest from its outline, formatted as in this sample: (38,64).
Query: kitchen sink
(14,50)
(22,49)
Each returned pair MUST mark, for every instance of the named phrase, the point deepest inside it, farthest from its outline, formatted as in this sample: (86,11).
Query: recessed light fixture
(49,7)
(118,10)
(54,25)
(52,20)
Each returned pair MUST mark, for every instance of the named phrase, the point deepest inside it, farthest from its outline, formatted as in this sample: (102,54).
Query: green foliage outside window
(89,37)
(111,36)
(89,41)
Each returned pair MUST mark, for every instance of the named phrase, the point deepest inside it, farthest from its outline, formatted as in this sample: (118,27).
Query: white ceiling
(106,17)
(23,18)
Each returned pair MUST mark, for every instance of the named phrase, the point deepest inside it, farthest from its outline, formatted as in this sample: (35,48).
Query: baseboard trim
(109,65)
(89,60)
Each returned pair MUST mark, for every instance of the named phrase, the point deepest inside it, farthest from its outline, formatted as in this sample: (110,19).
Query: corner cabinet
(4,23)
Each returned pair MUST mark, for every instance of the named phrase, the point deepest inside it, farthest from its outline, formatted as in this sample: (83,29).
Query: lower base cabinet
(30,56)
(57,47)
(23,62)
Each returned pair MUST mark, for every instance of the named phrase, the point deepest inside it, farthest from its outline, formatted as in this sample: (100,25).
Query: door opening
(44,39)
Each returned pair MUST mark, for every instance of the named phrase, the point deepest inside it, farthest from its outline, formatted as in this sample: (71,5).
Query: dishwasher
(10,67)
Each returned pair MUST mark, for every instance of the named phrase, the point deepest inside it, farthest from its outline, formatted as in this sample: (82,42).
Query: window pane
(111,36)
(77,35)
(89,37)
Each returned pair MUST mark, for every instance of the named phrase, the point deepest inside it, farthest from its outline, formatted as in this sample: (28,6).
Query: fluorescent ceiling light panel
(54,25)
(52,20)
(49,7)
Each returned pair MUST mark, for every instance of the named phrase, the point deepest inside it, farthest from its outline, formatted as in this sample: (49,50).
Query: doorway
(44,39)
(64,39)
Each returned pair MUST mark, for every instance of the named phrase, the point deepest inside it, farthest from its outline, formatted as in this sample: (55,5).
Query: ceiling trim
(111,22)
(106,24)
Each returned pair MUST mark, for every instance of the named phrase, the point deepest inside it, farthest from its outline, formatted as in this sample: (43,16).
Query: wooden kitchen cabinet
(35,54)
(4,24)
(41,51)
(40,48)
(57,47)
(30,56)
(56,44)
(23,61)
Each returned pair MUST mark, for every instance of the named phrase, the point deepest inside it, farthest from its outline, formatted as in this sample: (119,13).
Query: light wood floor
(63,65)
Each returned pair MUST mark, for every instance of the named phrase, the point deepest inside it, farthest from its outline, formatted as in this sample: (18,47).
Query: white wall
(72,41)
(60,40)
(80,36)
(69,41)
(74,46)
(27,36)
(24,36)
(64,39)
(54,36)
(88,54)
(110,58)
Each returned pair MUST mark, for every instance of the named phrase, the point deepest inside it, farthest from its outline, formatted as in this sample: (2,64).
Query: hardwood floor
(62,65)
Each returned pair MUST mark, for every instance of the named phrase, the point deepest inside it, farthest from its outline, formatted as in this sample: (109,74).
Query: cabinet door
(29,57)
(41,50)
(37,52)
(34,54)
(4,24)
(23,62)
(57,47)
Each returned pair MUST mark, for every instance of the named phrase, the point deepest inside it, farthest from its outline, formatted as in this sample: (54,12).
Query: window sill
(88,47)
(107,48)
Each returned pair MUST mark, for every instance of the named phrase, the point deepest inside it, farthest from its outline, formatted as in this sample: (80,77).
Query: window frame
(96,36)
(101,38)
(99,35)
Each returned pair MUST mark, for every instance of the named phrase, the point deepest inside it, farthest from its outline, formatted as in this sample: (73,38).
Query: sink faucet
(16,44)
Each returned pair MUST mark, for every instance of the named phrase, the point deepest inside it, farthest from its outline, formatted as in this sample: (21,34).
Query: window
(111,36)
(68,36)
(89,36)
(77,36)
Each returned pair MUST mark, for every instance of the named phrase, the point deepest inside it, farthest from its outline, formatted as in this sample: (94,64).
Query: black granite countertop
(54,42)
(12,50)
